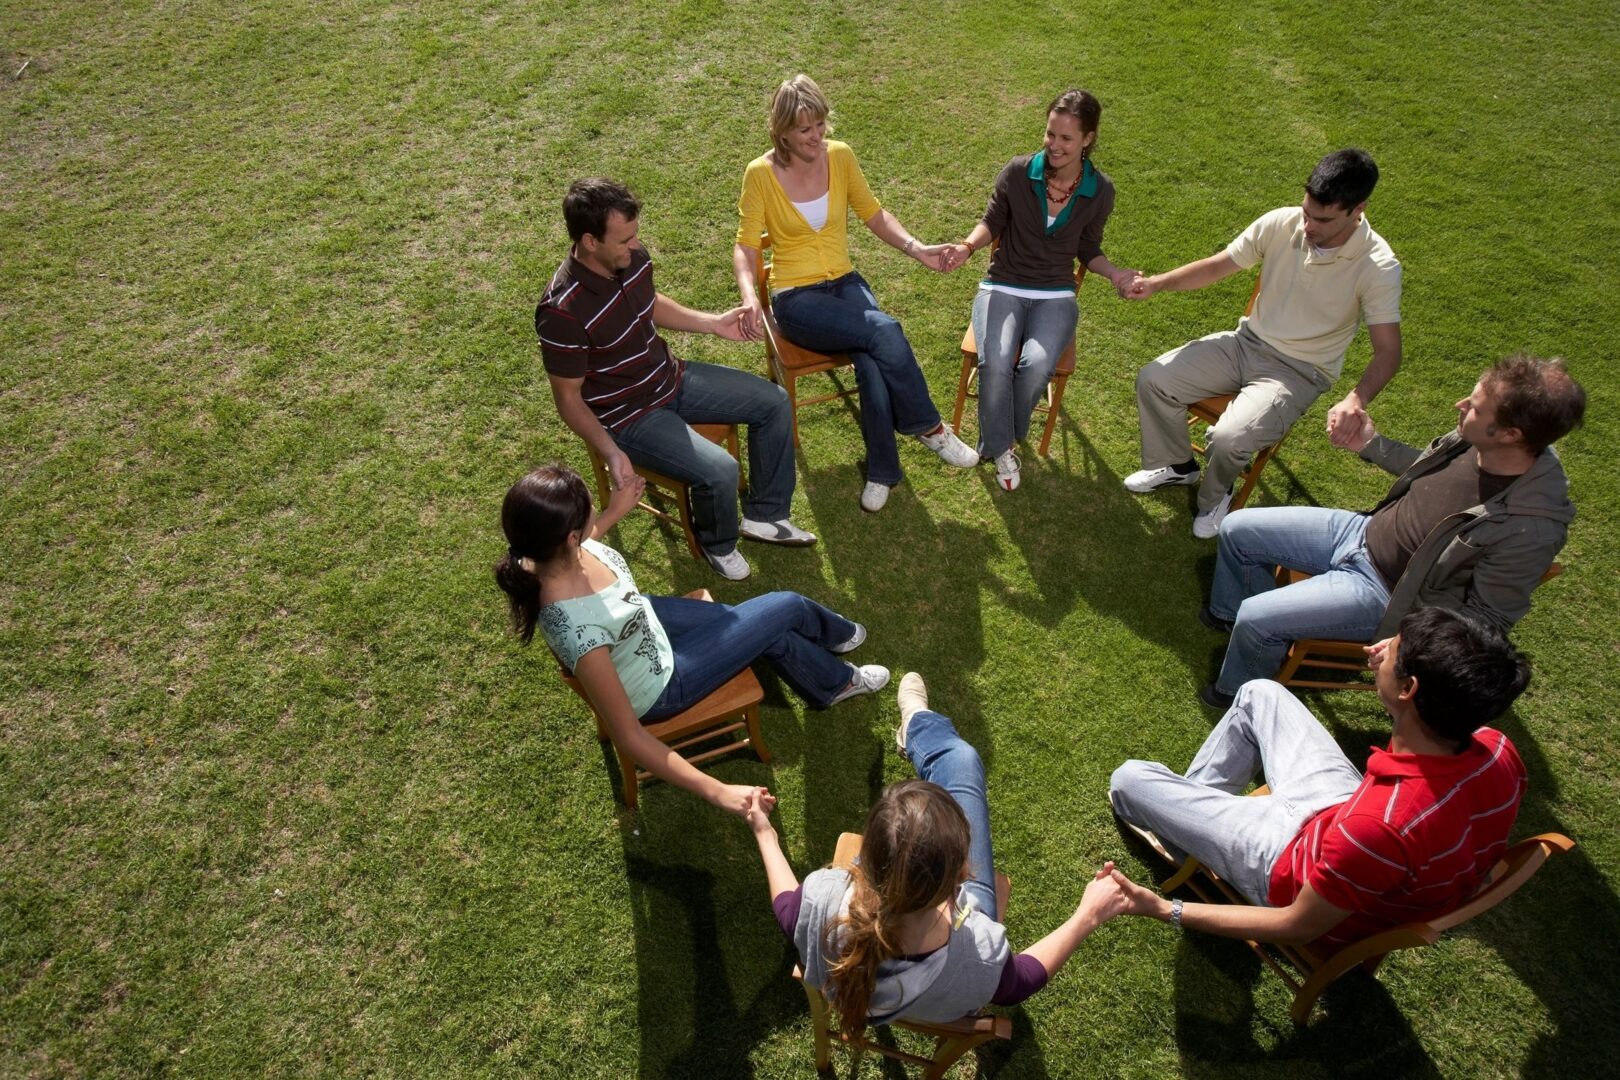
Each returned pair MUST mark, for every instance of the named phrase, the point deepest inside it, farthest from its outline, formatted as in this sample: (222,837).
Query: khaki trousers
(1272,391)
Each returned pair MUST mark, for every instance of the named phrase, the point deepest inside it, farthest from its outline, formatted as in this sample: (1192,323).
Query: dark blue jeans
(943,757)
(712,642)
(711,394)
(842,316)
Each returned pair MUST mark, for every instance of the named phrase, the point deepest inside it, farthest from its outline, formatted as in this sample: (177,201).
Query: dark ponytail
(539,513)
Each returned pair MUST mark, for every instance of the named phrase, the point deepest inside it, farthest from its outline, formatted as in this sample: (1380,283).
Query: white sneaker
(731,566)
(1208,522)
(951,450)
(856,640)
(1007,474)
(1143,481)
(873,496)
(863,680)
(777,532)
(913,698)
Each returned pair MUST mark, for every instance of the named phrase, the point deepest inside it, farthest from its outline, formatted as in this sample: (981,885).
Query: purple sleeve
(1022,976)
(786,906)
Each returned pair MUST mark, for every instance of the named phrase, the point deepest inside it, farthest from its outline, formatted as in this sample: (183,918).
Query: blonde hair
(914,853)
(799,94)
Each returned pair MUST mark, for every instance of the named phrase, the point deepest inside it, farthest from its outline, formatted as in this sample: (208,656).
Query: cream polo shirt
(1309,305)
(804,256)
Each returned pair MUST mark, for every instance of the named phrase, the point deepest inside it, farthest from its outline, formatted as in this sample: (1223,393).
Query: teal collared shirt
(1037,183)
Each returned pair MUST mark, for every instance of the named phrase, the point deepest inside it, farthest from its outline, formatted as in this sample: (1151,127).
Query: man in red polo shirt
(1333,855)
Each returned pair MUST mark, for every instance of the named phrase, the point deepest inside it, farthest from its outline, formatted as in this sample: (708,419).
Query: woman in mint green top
(640,658)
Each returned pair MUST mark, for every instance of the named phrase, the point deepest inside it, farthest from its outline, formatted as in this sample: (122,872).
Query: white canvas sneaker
(1208,522)
(865,679)
(873,496)
(951,450)
(731,566)
(1143,481)
(1007,474)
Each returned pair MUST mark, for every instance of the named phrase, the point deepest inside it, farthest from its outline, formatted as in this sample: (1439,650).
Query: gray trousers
(1272,391)
(1205,814)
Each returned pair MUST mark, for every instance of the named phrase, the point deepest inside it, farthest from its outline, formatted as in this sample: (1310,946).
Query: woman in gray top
(1046,212)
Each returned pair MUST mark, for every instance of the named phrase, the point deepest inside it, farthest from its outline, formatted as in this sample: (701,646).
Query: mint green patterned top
(620,618)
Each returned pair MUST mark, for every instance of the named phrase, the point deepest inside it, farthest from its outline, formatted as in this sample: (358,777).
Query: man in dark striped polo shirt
(618,386)
(1332,855)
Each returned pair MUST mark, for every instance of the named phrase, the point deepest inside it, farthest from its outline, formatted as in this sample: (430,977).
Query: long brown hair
(539,513)
(914,853)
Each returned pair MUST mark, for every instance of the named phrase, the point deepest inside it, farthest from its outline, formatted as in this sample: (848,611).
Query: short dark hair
(537,515)
(1345,178)
(589,202)
(1539,397)
(1467,672)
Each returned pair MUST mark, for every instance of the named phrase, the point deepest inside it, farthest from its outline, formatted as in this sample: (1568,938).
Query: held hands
(934,256)
(1138,900)
(741,323)
(1348,425)
(752,804)
(1124,278)
(1102,899)
(1139,288)
(620,471)
(955,255)
(625,493)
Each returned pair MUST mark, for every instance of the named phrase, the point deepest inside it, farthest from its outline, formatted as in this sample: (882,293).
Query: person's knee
(1125,781)
(889,344)
(718,470)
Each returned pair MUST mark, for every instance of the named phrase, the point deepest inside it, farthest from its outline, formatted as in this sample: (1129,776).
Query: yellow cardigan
(804,256)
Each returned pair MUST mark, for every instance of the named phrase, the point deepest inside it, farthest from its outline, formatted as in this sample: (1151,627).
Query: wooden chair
(1054,388)
(787,362)
(732,709)
(660,487)
(1346,656)
(951,1040)
(1209,410)
(1312,972)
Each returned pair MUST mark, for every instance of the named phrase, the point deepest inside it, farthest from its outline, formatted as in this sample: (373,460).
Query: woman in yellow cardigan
(800,193)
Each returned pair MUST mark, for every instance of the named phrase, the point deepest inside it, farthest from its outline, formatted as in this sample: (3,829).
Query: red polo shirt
(1413,842)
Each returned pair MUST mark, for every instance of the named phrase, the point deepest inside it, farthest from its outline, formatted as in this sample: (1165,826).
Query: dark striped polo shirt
(601,330)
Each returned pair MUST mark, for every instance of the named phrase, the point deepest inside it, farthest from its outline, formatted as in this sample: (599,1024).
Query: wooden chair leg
(627,771)
(683,499)
(949,1052)
(818,1028)
(755,738)
(1055,390)
(970,364)
(1291,663)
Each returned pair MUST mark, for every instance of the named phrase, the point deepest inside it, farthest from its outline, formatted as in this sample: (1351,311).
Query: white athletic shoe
(1007,474)
(951,450)
(777,532)
(856,640)
(731,566)
(1143,481)
(873,496)
(913,698)
(1208,522)
(866,679)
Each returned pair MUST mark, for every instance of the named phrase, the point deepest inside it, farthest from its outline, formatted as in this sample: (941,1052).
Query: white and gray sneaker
(782,532)
(1143,481)
(951,450)
(1007,474)
(856,640)
(865,679)
(731,566)
(913,698)
(1208,522)
(873,496)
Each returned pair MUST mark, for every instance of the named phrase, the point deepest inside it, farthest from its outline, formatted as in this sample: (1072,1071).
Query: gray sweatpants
(1272,391)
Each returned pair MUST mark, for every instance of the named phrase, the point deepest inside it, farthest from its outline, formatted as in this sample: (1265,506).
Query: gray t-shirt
(620,618)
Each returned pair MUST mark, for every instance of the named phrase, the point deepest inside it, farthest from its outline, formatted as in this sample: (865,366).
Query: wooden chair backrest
(1514,868)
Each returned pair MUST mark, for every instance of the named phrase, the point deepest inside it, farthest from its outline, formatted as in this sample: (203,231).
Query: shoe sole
(779,542)
(1190,480)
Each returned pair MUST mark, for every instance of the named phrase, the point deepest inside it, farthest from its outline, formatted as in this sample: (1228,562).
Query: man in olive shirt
(1473,523)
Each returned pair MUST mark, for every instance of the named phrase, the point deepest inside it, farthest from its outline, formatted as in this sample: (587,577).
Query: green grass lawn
(278,793)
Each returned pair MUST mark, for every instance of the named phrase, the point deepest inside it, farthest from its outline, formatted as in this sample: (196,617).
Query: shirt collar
(1088,175)
(591,280)
(1384,763)
(1353,248)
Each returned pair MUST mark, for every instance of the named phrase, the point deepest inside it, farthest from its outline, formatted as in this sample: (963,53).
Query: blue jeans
(943,757)
(1019,341)
(710,394)
(1344,601)
(1205,813)
(842,316)
(713,642)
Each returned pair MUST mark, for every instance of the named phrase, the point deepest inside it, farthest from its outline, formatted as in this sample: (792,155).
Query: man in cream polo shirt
(1323,272)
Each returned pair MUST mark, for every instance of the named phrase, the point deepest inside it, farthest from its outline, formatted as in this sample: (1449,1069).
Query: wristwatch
(1175,913)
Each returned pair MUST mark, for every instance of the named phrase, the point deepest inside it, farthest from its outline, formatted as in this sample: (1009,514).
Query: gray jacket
(1485,560)
(947,984)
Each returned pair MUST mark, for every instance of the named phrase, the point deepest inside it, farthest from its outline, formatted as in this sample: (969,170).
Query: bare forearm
(657,758)
(779,876)
(1238,921)
(668,315)
(886,227)
(1054,950)
(1194,275)
(582,422)
(743,259)
(979,237)
(1380,370)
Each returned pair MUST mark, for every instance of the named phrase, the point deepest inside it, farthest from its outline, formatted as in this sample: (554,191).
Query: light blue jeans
(1206,815)
(1020,341)
(842,316)
(1345,600)
(943,757)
